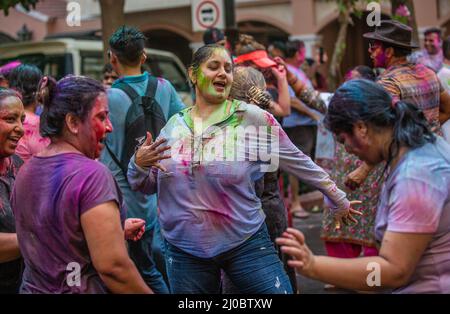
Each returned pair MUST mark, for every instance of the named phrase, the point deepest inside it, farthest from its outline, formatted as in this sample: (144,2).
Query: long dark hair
(25,79)
(72,94)
(363,100)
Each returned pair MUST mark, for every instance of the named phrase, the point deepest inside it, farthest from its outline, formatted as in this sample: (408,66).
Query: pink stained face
(377,54)
(352,75)
(301,56)
(432,43)
(12,115)
(95,128)
(360,147)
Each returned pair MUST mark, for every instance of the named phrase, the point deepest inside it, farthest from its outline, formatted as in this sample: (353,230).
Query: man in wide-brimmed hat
(389,46)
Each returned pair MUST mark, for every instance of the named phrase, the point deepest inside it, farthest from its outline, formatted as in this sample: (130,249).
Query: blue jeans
(141,254)
(253,267)
(159,251)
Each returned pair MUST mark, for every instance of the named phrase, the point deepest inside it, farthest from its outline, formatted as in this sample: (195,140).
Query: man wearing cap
(432,55)
(214,36)
(389,46)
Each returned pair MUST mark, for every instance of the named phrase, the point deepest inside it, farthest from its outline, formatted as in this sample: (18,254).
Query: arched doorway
(357,46)
(264,33)
(170,41)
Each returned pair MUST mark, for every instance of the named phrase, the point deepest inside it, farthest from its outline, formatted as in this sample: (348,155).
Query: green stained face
(205,84)
(214,77)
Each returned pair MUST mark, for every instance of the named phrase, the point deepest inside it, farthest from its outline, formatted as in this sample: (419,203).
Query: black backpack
(144,114)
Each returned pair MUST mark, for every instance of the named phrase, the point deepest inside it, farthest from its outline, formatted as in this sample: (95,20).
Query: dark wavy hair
(366,72)
(128,44)
(25,79)
(366,101)
(293,46)
(72,94)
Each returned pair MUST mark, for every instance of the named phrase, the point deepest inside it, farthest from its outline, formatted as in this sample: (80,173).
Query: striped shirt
(415,84)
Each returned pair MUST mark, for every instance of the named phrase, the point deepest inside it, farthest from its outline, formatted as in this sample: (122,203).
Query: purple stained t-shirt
(49,196)
(416,199)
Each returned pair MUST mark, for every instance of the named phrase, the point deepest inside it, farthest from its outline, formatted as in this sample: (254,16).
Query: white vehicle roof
(63,45)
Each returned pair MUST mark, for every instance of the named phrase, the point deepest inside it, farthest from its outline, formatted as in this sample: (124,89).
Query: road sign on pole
(207,14)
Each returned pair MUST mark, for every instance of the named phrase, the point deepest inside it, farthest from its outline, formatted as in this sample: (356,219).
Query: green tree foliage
(403,11)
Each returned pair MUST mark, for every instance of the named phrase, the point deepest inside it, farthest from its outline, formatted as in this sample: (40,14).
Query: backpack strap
(131,93)
(152,85)
(116,161)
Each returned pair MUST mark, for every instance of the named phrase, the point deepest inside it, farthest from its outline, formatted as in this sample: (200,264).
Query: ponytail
(363,100)
(411,128)
(46,90)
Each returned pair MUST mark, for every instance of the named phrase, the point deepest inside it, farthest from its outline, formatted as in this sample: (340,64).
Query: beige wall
(295,17)
(15,20)
(278,14)
(177,20)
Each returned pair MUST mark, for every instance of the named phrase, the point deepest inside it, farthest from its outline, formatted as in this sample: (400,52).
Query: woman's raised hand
(151,153)
(279,70)
(346,216)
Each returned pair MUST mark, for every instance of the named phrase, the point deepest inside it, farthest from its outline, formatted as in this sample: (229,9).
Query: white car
(59,57)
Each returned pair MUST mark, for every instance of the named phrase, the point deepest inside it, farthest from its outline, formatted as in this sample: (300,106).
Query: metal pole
(230,18)
(231,30)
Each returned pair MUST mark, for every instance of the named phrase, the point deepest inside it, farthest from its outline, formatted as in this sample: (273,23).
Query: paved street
(311,228)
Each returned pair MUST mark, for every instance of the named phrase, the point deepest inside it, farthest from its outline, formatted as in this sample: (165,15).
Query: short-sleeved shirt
(138,205)
(415,84)
(434,62)
(49,197)
(416,199)
(444,77)
(10,272)
(296,118)
(31,142)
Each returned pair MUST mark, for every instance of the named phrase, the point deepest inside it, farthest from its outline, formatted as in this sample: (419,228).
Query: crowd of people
(121,183)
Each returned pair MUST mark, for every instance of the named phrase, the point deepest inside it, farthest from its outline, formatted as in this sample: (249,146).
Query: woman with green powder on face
(210,214)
